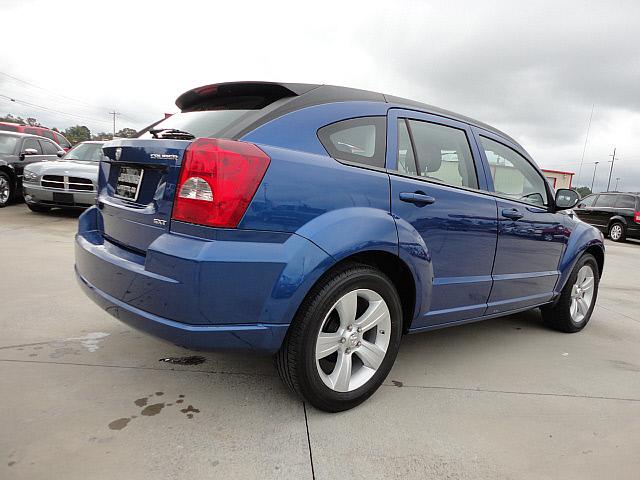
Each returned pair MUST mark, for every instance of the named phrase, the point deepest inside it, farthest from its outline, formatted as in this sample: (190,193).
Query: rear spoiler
(239,95)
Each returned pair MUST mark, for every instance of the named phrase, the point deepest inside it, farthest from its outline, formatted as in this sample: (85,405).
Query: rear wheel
(344,339)
(572,311)
(38,208)
(617,232)
(6,189)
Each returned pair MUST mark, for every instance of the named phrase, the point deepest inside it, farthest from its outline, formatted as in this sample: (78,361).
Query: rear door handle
(512,213)
(417,198)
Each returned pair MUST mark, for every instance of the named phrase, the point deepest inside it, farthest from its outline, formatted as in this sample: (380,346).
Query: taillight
(217,181)
(636,217)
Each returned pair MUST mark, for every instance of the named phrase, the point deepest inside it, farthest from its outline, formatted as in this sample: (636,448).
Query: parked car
(18,150)
(57,137)
(67,183)
(616,214)
(320,224)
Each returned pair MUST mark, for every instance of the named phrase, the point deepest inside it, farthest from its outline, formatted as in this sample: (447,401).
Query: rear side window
(48,148)
(358,140)
(48,134)
(63,142)
(588,201)
(32,143)
(32,131)
(9,128)
(626,201)
(606,201)
(441,153)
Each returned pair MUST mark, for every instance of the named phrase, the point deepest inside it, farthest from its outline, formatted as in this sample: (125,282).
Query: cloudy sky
(534,70)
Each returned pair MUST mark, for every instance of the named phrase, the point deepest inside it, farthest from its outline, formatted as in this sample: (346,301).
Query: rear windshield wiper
(172,133)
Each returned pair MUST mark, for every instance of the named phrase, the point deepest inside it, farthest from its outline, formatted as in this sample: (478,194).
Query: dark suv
(616,214)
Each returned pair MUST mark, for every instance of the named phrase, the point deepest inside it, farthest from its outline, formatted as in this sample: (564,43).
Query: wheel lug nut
(359,329)
(348,350)
(350,327)
(358,344)
(342,340)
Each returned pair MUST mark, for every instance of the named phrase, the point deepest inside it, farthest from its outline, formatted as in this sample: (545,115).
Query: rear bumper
(206,294)
(255,337)
(37,195)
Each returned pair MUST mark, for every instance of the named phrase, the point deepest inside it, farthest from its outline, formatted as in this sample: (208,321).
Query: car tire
(38,208)
(617,232)
(355,313)
(6,189)
(573,309)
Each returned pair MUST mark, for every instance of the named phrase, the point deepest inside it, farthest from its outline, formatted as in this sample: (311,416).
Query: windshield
(208,123)
(88,152)
(8,144)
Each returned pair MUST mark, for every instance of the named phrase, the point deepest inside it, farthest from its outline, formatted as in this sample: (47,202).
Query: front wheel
(344,339)
(572,311)
(6,189)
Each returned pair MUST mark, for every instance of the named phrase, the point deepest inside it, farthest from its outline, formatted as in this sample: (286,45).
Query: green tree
(127,133)
(78,133)
(102,136)
(583,191)
(13,119)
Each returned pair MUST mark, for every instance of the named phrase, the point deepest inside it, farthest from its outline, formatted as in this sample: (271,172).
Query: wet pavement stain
(152,410)
(396,383)
(119,424)
(11,463)
(190,411)
(190,360)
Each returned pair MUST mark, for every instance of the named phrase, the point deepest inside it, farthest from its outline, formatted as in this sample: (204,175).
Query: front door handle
(512,213)
(417,198)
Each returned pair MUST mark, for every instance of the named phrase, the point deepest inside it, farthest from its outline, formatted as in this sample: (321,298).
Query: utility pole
(594,175)
(613,159)
(114,113)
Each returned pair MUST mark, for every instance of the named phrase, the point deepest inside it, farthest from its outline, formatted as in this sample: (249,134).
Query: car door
(531,238)
(603,210)
(584,209)
(436,194)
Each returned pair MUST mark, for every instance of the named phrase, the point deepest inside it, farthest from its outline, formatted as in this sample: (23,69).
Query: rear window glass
(63,142)
(587,201)
(606,201)
(358,140)
(626,201)
(89,152)
(209,123)
(32,131)
(9,128)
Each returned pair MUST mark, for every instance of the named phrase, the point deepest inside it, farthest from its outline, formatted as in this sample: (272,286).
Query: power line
(46,109)
(586,138)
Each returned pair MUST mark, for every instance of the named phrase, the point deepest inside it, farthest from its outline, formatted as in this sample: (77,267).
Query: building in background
(558,178)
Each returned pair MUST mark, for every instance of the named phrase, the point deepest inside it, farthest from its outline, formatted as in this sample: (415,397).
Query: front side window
(358,140)
(587,201)
(48,148)
(63,142)
(513,176)
(626,201)
(435,152)
(606,201)
(32,143)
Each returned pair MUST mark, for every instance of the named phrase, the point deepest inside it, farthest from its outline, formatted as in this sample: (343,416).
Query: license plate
(128,183)
(63,197)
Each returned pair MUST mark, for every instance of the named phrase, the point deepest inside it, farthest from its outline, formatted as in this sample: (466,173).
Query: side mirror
(28,151)
(61,153)
(566,198)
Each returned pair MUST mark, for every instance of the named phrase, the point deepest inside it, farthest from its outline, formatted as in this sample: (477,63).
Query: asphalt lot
(84,396)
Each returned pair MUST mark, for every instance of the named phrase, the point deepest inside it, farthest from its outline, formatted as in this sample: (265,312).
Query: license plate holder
(63,198)
(128,183)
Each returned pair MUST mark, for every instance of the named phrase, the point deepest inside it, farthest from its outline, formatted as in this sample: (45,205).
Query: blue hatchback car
(320,224)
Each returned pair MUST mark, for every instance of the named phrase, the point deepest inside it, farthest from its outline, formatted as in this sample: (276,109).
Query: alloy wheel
(353,340)
(4,190)
(582,294)
(616,232)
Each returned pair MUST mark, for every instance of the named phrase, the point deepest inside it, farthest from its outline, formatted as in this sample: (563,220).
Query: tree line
(76,133)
